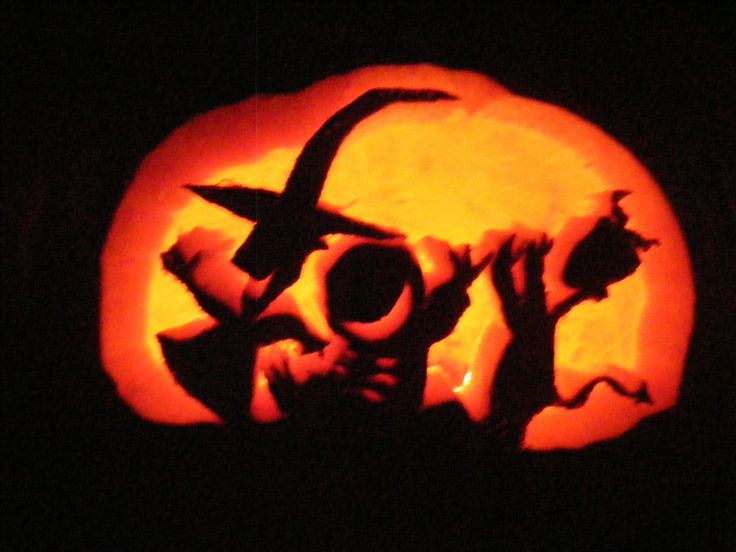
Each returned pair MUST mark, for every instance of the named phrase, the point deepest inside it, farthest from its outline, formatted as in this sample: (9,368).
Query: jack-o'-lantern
(424,228)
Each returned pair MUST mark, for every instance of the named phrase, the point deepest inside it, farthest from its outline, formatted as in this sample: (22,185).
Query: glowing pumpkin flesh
(442,173)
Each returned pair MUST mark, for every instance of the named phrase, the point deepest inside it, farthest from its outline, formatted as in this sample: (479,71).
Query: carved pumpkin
(472,170)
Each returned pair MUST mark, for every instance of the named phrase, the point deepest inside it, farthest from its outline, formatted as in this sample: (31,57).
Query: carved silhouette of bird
(290,225)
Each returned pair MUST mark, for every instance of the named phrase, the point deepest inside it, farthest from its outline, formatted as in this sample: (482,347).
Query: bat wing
(254,203)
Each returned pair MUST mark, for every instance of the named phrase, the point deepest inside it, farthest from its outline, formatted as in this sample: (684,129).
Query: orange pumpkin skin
(490,161)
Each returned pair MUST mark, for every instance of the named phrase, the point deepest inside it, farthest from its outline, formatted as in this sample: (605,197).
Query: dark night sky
(89,90)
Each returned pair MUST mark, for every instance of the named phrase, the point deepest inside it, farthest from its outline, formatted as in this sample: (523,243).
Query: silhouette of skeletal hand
(446,304)
(465,270)
(520,307)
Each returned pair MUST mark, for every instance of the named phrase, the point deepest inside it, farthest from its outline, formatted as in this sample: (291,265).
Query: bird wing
(250,203)
(254,203)
(328,222)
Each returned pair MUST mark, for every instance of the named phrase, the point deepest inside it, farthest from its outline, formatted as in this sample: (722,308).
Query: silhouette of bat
(289,226)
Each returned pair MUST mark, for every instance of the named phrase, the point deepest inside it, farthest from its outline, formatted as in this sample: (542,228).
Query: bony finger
(503,256)
(547,244)
(481,265)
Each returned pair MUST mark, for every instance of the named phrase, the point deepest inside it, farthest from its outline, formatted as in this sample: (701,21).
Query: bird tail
(312,165)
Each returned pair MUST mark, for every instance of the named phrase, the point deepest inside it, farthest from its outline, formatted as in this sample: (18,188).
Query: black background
(88,90)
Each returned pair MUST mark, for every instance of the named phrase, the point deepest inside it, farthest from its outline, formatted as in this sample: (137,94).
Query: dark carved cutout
(383,319)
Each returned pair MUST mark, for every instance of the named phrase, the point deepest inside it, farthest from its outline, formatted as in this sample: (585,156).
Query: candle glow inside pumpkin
(452,170)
